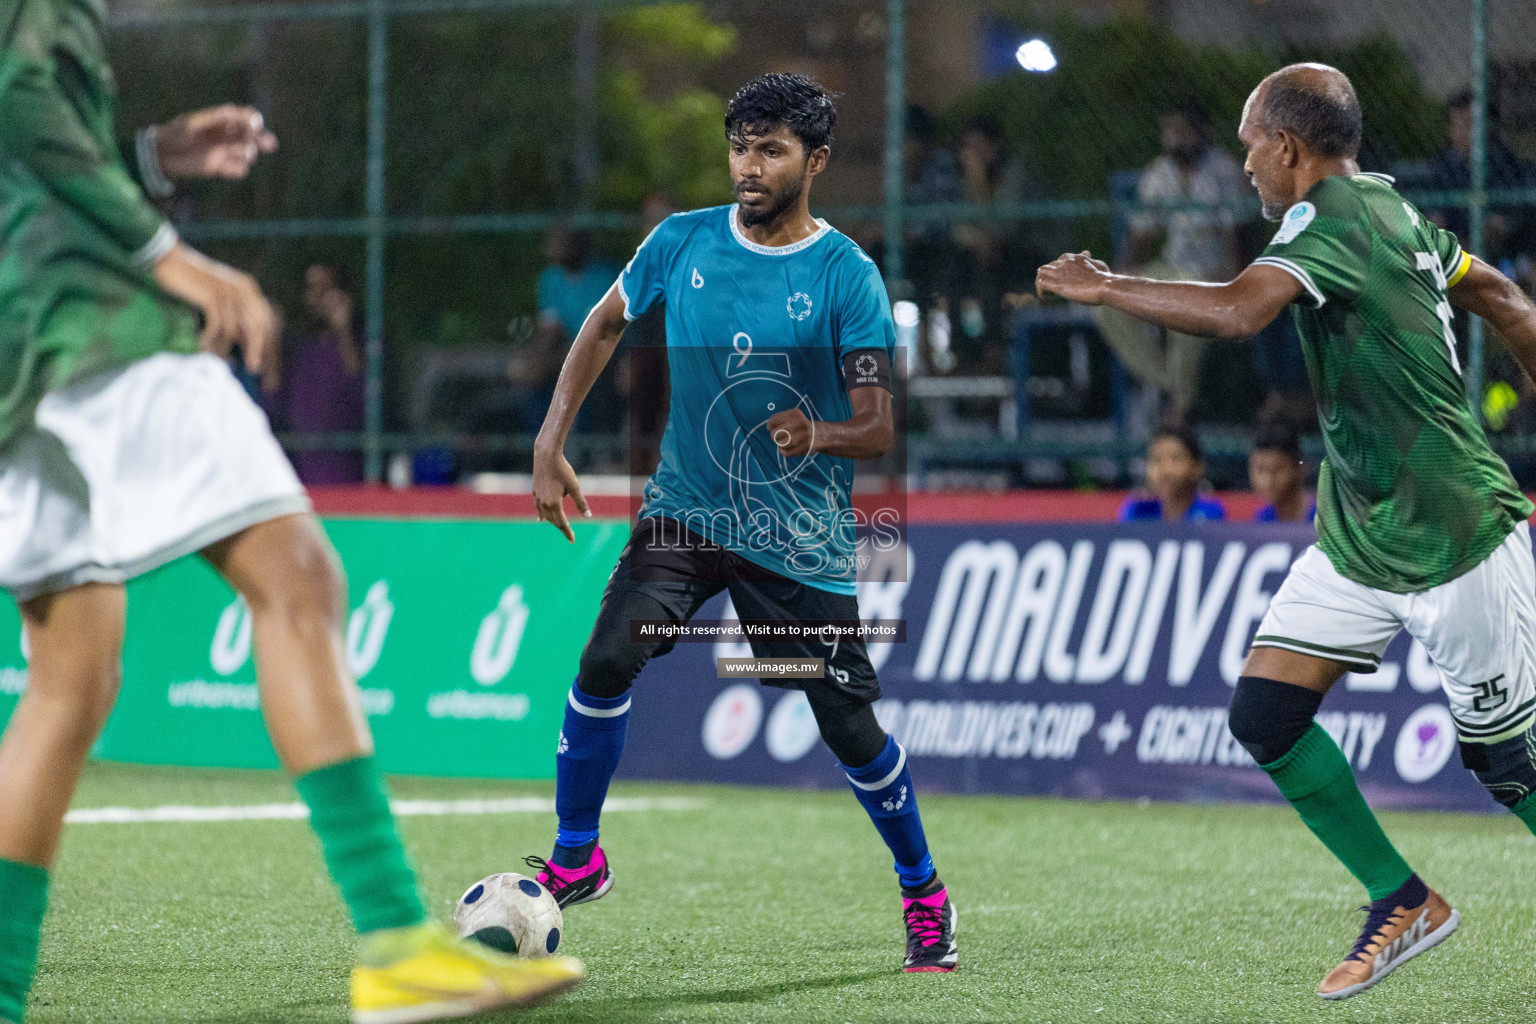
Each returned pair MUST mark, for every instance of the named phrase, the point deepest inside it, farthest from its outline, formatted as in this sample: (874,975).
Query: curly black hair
(1182,433)
(795,102)
(1277,437)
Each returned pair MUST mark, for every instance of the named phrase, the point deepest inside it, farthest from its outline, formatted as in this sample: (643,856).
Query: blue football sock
(884,787)
(590,744)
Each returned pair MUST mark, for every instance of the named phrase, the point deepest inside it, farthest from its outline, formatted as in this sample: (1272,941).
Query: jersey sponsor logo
(799,306)
(1424,743)
(698,279)
(1294,222)
(732,721)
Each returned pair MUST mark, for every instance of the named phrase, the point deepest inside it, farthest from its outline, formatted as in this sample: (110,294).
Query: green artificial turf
(772,906)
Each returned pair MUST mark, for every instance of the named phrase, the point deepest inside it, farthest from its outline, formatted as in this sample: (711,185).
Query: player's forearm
(862,437)
(1188,307)
(1485,292)
(1512,316)
(43,132)
(589,354)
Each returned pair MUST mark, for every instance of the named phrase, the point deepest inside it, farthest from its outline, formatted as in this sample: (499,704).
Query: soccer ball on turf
(512,913)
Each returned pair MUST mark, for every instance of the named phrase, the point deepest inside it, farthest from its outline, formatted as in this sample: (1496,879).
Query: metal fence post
(895,136)
(1478,199)
(374,241)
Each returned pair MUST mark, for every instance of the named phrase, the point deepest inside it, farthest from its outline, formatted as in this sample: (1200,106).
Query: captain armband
(867,368)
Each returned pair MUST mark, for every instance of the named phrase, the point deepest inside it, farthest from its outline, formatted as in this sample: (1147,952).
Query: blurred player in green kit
(125,442)
(1420,525)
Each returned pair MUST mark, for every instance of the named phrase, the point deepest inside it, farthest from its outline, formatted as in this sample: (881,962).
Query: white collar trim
(775,250)
(1378,176)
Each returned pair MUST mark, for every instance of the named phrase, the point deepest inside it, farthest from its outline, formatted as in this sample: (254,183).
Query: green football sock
(23,898)
(1315,777)
(350,813)
(1525,810)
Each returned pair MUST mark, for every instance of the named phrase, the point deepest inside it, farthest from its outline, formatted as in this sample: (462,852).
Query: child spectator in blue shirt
(1276,473)
(1175,468)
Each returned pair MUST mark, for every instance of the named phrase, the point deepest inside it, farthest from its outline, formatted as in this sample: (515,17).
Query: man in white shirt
(1198,185)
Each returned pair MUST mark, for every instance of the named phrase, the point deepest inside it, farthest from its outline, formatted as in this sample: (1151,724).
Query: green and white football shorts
(1479,629)
(125,471)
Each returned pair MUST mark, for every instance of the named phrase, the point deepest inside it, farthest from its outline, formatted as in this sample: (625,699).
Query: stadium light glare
(1036,55)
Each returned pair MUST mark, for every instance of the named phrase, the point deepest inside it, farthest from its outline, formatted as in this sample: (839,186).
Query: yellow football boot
(423,973)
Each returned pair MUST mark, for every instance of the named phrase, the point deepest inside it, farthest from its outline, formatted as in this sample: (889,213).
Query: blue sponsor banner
(1060,659)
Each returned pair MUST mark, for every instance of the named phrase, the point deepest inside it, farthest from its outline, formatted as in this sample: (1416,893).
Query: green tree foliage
(659,132)
(480,121)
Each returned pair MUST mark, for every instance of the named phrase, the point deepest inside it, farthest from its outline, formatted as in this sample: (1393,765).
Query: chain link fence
(439,157)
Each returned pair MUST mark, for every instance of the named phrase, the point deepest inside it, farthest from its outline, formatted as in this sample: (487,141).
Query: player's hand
(219,142)
(234,310)
(553,479)
(792,431)
(1076,277)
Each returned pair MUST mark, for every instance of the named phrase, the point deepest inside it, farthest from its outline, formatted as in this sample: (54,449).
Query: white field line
(180,813)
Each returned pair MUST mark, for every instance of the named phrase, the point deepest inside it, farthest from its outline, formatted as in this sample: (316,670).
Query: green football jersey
(1410,494)
(77,234)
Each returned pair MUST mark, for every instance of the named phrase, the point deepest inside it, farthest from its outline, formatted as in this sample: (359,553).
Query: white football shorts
(1479,629)
(133,468)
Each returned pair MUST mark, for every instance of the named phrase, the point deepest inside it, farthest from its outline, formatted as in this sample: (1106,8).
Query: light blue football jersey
(752,331)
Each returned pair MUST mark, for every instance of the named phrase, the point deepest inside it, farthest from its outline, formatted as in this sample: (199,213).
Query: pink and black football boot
(930,920)
(570,886)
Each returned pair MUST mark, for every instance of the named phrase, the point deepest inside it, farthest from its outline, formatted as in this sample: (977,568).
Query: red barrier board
(922,507)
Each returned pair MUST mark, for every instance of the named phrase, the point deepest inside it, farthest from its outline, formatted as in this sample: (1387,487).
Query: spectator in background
(568,288)
(1506,233)
(985,267)
(1175,471)
(1178,244)
(933,173)
(320,385)
(641,372)
(933,176)
(1276,474)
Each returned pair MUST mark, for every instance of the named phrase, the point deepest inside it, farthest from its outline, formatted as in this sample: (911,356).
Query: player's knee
(848,726)
(308,586)
(101,688)
(611,660)
(87,688)
(1507,769)
(608,667)
(1267,716)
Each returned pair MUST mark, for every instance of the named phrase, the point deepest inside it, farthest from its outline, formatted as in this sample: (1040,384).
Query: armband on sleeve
(867,368)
